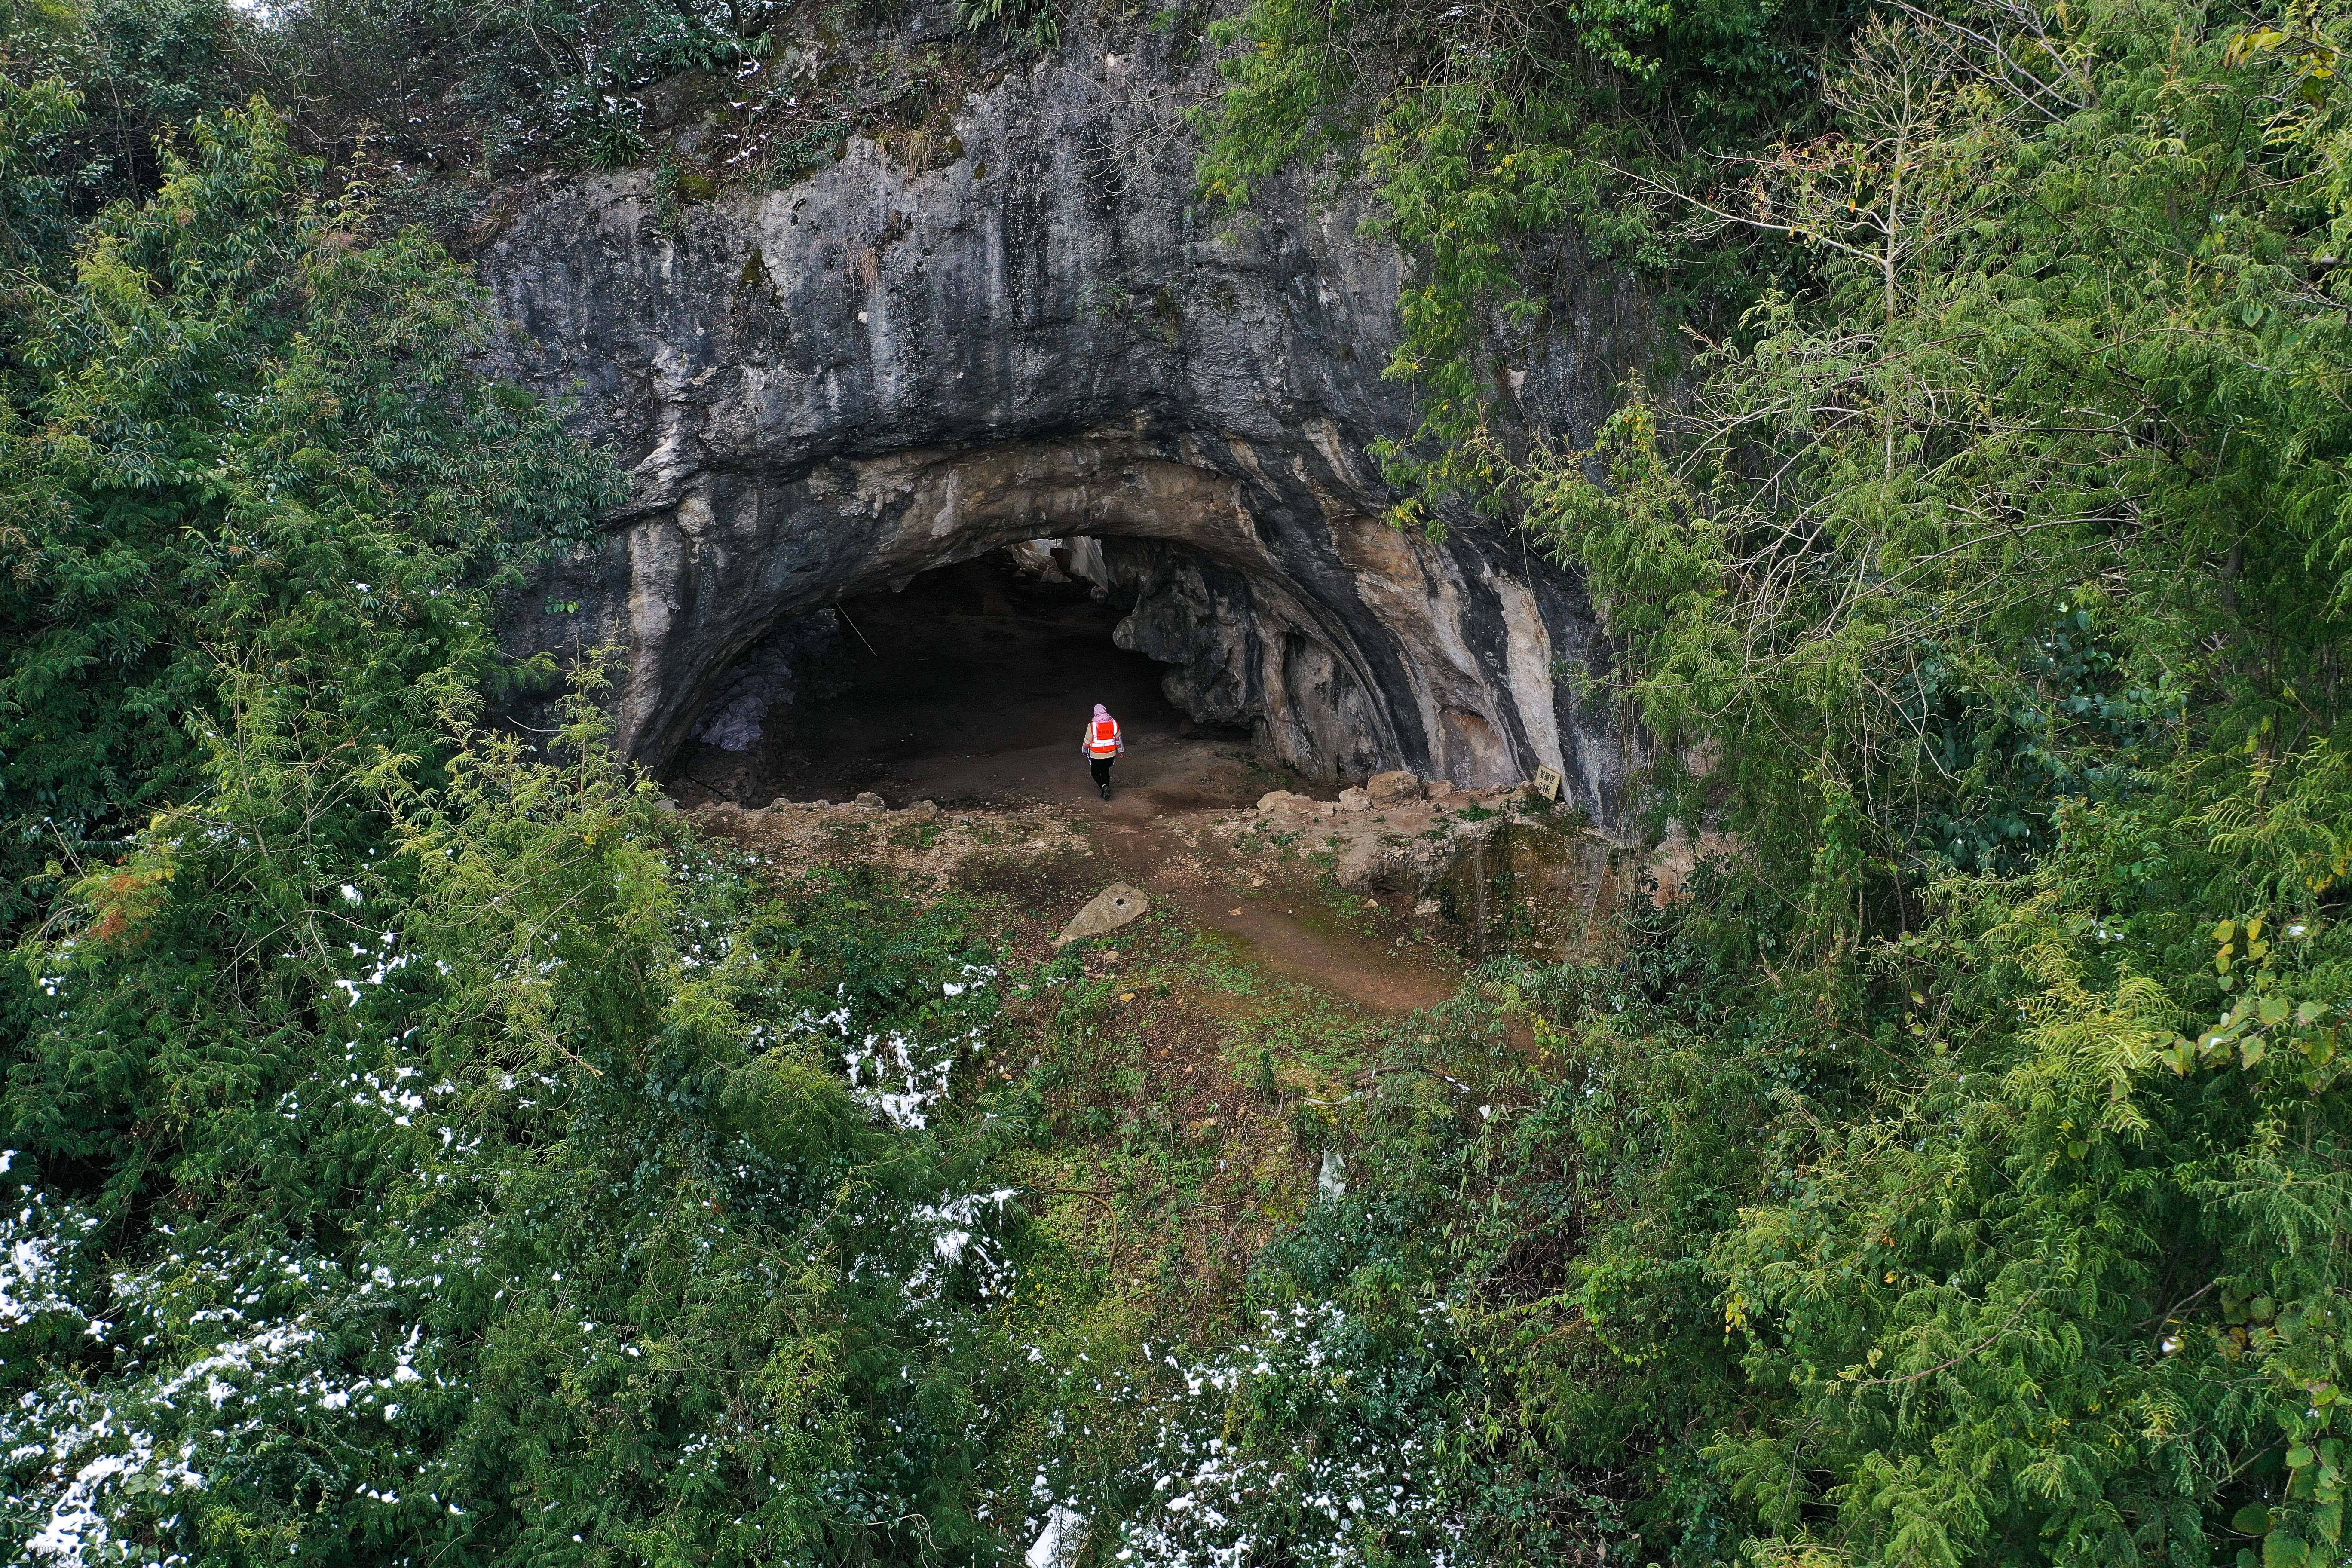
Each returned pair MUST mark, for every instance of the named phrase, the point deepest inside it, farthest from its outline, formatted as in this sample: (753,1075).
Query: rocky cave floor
(972,686)
(1261,884)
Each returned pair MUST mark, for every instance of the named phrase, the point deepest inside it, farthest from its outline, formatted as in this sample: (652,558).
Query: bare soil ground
(1278,911)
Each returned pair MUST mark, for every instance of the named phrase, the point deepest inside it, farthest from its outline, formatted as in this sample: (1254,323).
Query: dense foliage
(1970,1184)
(247,436)
(417,1147)
(420,1147)
(1490,133)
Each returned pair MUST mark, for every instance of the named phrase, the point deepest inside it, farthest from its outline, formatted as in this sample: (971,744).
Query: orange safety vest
(1102,737)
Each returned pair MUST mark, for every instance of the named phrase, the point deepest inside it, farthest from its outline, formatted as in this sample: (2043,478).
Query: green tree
(247,442)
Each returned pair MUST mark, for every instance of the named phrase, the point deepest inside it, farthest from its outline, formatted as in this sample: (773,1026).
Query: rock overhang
(829,388)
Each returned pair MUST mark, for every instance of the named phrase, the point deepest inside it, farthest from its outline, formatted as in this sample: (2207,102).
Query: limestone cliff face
(825,389)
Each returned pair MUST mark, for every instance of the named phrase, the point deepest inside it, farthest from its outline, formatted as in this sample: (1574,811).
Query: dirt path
(1154,829)
(1282,921)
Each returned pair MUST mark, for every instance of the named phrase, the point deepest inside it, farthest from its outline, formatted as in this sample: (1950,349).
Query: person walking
(1102,743)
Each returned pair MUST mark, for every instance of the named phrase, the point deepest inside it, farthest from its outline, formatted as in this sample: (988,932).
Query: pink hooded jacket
(1102,738)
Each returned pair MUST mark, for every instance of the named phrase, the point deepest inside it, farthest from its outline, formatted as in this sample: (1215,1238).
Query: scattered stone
(1393,787)
(1275,799)
(869,801)
(1353,798)
(1110,909)
(924,810)
(820,806)
(1363,864)
(1439,789)
(1427,909)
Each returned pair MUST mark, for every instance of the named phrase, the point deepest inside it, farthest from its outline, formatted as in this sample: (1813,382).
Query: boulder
(1280,800)
(869,801)
(1393,787)
(1363,865)
(1355,799)
(1107,911)
(924,810)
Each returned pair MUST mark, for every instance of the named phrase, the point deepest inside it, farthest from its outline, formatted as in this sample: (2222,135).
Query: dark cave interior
(972,683)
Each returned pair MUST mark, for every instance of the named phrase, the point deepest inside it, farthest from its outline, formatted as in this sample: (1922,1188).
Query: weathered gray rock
(823,390)
(768,677)
(1355,799)
(1107,911)
(869,801)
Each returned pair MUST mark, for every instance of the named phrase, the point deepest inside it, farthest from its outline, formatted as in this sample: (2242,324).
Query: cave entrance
(969,685)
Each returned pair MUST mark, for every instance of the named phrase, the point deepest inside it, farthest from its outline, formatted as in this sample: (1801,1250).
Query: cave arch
(885,366)
(1344,644)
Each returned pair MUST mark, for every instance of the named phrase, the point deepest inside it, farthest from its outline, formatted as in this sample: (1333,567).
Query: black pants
(1101,766)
